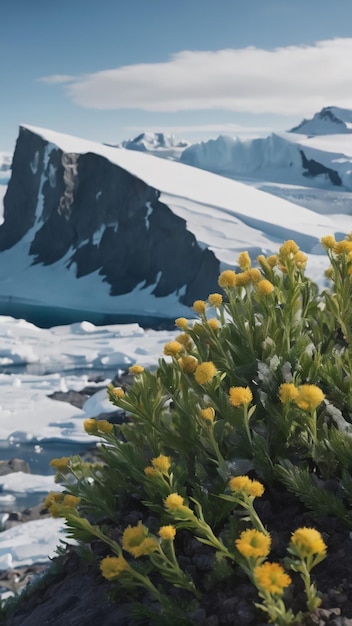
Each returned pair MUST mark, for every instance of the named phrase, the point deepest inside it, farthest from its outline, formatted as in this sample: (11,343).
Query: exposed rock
(87,212)
(313,168)
(13,465)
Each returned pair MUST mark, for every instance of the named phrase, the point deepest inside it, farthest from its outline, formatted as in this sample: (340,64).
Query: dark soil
(73,593)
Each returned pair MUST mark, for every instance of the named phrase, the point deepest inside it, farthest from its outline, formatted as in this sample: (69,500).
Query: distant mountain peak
(330,120)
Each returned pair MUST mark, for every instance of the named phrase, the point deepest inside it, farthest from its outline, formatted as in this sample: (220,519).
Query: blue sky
(107,70)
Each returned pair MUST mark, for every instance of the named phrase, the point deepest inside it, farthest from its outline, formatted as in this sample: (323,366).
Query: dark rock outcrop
(314,168)
(83,209)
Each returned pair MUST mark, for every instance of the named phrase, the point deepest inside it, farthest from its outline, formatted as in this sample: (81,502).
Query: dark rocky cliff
(88,211)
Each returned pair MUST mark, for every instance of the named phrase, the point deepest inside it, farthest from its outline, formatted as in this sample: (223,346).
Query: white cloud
(57,79)
(292,80)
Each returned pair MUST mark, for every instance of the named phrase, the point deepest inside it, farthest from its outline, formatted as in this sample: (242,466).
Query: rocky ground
(71,592)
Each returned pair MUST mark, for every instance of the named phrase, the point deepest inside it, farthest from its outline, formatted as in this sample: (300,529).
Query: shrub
(255,393)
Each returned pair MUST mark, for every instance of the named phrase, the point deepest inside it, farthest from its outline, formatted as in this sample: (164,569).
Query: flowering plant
(256,391)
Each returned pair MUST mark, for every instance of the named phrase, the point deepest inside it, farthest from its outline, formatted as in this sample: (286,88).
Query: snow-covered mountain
(107,234)
(158,144)
(329,121)
(324,161)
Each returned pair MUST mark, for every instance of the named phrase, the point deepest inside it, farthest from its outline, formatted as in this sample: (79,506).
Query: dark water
(47,317)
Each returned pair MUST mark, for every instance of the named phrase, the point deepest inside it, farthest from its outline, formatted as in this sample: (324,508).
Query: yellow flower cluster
(136,541)
(61,465)
(185,340)
(167,533)
(265,287)
(272,578)
(253,544)
(328,242)
(215,299)
(199,306)
(188,363)
(213,323)
(309,397)
(136,369)
(174,501)
(240,396)
(307,542)
(113,566)
(207,414)
(182,323)
(96,427)
(246,486)
(118,392)
(173,348)
(227,279)
(56,502)
(244,261)
(205,372)
(162,463)
(287,392)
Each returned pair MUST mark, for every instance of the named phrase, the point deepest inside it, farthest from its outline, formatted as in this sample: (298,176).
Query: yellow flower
(173,348)
(167,532)
(265,287)
(174,501)
(70,501)
(215,299)
(207,414)
(244,261)
(118,392)
(287,392)
(199,306)
(288,249)
(105,427)
(136,369)
(227,279)
(328,242)
(253,543)
(213,323)
(184,339)
(205,372)
(56,510)
(300,259)
(61,465)
(307,541)
(271,577)
(188,363)
(90,426)
(247,486)
(151,472)
(161,463)
(343,247)
(309,397)
(272,260)
(255,275)
(113,566)
(135,540)
(181,322)
(240,396)
(243,279)
(52,497)
(329,273)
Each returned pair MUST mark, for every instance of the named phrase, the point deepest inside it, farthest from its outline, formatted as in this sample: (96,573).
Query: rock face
(88,211)
(330,120)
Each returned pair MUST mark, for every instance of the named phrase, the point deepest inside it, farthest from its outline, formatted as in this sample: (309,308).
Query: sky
(107,70)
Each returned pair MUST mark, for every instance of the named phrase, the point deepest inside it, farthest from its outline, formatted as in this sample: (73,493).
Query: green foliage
(260,384)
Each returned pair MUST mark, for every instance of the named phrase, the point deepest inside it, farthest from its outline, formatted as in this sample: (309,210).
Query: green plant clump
(256,393)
